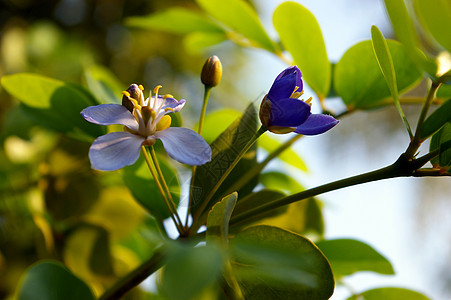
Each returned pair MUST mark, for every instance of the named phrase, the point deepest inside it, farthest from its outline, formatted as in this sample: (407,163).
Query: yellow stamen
(168,109)
(156,89)
(164,123)
(309,101)
(126,94)
(168,96)
(141,87)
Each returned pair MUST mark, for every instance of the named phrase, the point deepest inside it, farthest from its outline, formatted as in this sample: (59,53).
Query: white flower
(145,121)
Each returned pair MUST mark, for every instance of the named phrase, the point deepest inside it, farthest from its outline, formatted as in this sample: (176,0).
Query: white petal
(115,150)
(185,146)
(109,114)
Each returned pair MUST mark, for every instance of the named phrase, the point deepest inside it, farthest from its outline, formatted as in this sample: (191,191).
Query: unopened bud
(211,72)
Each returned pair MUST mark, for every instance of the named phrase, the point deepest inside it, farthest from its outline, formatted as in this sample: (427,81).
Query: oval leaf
(437,120)
(358,79)
(219,217)
(435,15)
(240,17)
(272,263)
(442,141)
(51,280)
(301,35)
(348,256)
(53,104)
(389,293)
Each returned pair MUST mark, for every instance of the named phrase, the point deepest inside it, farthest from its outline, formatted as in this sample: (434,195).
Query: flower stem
(160,188)
(207,91)
(165,186)
(403,167)
(134,278)
(416,141)
(196,217)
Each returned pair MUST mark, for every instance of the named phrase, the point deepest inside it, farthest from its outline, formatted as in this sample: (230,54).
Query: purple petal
(291,70)
(282,88)
(174,104)
(289,113)
(316,124)
(185,146)
(109,114)
(115,150)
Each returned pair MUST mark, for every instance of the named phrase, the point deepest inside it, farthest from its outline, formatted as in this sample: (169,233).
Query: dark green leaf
(50,280)
(406,33)
(437,120)
(301,35)
(239,16)
(389,293)
(442,140)
(225,149)
(435,15)
(189,271)
(53,104)
(101,259)
(272,263)
(138,179)
(348,256)
(176,20)
(219,217)
(359,81)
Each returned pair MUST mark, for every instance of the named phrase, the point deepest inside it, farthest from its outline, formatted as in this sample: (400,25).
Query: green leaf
(437,120)
(239,16)
(104,85)
(101,258)
(442,140)
(53,104)
(289,156)
(406,33)
(272,263)
(348,256)
(138,179)
(176,20)
(189,271)
(435,15)
(219,217)
(51,280)
(358,79)
(301,35)
(197,42)
(225,149)
(278,180)
(385,62)
(217,121)
(389,293)
(444,91)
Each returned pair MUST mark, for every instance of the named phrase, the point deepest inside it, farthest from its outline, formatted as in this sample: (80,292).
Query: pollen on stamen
(309,101)
(141,87)
(168,96)
(156,89)
(126,94)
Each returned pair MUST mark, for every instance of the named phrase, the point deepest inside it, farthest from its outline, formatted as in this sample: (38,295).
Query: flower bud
(134,92)
(211,72)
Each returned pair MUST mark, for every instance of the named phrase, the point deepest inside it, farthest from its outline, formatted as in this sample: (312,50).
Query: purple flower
(281,111)
(145,121)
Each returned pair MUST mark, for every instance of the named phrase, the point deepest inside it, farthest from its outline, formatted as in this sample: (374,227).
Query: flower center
(148,112)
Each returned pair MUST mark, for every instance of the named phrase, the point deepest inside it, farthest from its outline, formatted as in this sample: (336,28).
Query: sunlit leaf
(359,81)
(239,16)
(219,217)
(389,293)
(348,256)
(104,85)
(176,20)
(272,263)
(289,156)
(442,140)
(50,280)
(53,104)
(197,42)
(189,271)
(406,33)
(138,179)
(385,62)
(281,181)
(301,35)
(437,120)
(435,15)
